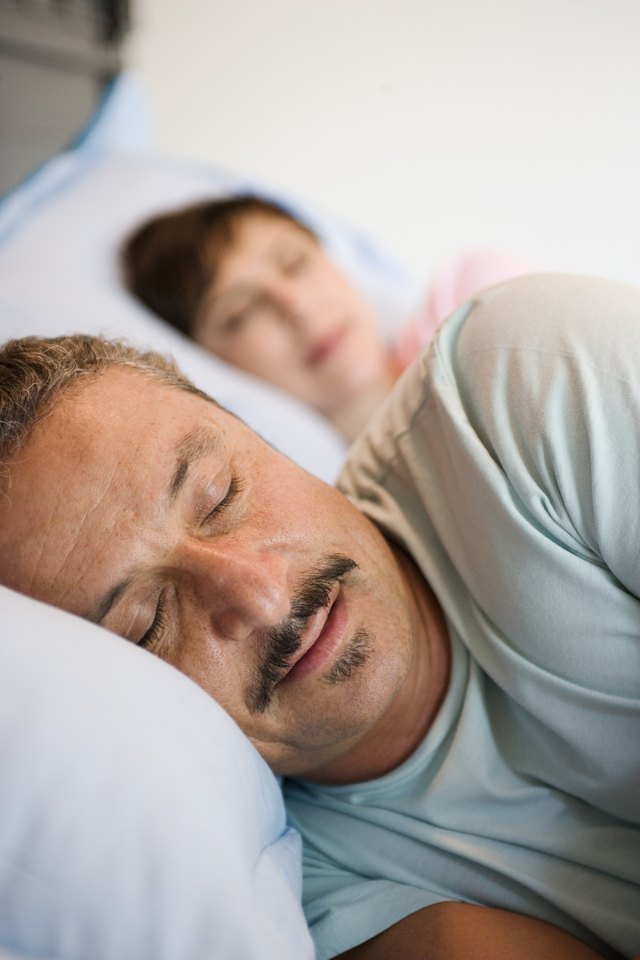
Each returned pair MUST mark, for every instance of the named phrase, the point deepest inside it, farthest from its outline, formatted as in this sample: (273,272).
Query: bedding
(59,239)
(136,821)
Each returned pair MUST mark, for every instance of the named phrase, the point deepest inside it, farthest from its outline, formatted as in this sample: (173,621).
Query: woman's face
(281,309)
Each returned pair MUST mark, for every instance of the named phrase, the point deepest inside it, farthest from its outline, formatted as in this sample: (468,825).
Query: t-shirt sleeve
(546,370)
(344,908)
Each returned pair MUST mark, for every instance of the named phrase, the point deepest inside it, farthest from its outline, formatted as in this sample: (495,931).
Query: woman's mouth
(324,349)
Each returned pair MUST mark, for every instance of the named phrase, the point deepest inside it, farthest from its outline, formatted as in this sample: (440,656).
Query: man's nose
(238,589)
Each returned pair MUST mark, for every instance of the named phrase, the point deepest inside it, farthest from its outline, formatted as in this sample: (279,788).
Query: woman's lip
(322,636)
(322,350)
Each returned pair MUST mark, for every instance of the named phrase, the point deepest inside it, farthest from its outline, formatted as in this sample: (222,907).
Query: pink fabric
(450,288)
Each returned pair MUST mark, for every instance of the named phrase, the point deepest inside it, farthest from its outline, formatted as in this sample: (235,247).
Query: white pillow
(136,820)
(59,274)
(59,238)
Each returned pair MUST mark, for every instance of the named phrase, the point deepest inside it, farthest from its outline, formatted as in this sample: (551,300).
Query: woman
(251,283)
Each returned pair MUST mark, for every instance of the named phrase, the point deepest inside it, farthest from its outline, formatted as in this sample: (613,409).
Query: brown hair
(171,260)
(34,370)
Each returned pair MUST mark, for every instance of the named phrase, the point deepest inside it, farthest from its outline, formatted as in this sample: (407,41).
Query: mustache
(284,640)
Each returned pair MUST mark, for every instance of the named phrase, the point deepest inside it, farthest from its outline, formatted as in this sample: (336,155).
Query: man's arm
(460,931)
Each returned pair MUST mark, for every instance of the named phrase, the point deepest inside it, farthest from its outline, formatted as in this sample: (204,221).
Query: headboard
(56,59)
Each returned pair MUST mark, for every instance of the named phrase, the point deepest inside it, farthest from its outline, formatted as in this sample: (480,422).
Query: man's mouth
(320,639)
(309,638)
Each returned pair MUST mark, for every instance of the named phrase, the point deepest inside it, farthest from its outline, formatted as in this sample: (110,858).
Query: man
(455,688)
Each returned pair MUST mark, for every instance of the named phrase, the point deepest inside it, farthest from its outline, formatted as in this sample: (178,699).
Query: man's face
(163,517)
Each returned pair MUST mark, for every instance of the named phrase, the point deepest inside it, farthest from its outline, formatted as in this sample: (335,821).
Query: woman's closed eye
(240,317)
(237,320)
(295,263)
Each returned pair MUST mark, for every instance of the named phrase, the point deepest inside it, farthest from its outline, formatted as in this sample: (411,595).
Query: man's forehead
(117,383)
(96,455)
(131,399)
(128,408)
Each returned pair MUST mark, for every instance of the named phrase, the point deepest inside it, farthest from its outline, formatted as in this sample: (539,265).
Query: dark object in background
(57,58)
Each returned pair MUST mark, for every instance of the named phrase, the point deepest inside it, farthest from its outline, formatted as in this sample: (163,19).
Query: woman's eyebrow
(196,444)
(229,298)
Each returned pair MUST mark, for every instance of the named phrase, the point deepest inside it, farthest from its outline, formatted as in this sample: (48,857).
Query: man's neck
(405,724)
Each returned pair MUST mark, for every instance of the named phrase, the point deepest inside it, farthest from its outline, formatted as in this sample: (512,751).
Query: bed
(136,821)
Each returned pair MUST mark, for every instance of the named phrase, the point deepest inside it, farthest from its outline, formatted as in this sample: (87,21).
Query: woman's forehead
(258,237)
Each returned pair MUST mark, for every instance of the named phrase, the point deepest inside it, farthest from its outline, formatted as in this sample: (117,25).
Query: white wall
(436,124)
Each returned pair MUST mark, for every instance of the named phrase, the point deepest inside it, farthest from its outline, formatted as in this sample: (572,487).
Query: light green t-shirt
(507,463)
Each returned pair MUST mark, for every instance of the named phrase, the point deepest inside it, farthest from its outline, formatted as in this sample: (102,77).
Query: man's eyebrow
(109,601)
(196,444)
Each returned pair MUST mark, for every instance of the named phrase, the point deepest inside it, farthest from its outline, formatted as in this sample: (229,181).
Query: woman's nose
(239,589)
(299,307)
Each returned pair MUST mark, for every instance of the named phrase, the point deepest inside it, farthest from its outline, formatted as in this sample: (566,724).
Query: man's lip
(313,630)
